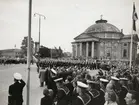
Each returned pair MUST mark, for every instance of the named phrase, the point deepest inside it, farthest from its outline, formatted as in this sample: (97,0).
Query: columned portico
(76,49)
(80,48)
(92,54)
(103,40)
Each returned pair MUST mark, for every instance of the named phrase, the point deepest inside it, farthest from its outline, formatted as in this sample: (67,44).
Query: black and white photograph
(69,52)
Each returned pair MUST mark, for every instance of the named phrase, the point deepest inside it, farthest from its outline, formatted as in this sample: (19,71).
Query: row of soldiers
(79,88)
(5,61)
(94,64)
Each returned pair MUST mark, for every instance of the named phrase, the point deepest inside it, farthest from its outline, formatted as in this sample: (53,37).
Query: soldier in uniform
(83,98)
(70,87)
(103,84)
(15,90)
(42,76)
(63,92)
(94,93)
(51,75)
(124,91)
(115,86)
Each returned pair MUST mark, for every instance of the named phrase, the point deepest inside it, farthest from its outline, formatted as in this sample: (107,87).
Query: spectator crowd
(70,82)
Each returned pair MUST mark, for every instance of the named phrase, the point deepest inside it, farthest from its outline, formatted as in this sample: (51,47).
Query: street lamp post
(40,15)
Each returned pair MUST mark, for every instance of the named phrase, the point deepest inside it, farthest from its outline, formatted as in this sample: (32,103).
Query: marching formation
(72,84)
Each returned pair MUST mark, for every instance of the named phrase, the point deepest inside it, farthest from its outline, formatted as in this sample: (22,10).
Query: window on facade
(108,54)
(125,44)
(125,53)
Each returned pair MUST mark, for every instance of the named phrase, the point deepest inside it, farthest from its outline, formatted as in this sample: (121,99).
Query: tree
(44,52)
(24,45)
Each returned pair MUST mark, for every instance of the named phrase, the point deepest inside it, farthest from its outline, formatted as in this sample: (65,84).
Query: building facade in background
(104,41)
(11,53)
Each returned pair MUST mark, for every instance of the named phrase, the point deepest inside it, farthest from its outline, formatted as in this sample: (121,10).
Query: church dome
(102,26)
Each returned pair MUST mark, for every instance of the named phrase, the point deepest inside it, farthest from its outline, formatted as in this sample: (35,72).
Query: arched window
(124,53)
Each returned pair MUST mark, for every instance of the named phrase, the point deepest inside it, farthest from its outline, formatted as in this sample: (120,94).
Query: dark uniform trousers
(62,96)
(94,97)
(82,100)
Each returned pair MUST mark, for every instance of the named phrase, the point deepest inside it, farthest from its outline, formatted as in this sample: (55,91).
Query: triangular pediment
(83,36)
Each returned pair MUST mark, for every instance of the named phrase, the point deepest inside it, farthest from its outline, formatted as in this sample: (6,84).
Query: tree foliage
(24,45)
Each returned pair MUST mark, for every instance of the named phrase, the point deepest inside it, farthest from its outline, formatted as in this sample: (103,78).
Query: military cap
(17,76)
(103,80)
(82,85)
(53,71)
(92,82)
(58,79)
(124,79)
(114,78)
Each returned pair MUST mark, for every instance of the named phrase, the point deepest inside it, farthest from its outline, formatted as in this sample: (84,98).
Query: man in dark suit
(15,90)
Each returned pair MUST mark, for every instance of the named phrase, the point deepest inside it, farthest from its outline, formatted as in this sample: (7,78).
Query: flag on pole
(134,17)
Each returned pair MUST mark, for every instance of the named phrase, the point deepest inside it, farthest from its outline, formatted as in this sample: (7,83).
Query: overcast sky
(65,19)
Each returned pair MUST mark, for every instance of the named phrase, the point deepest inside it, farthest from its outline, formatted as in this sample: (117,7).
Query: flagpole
(134,19)
(29,52)
(131,45)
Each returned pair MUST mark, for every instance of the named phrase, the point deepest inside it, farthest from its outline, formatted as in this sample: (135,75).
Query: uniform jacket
(62,95)
(82,99)
(94,97)
(15,92)
(42,75)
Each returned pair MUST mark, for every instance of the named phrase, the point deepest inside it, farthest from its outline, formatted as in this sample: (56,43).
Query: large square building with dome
(103,40)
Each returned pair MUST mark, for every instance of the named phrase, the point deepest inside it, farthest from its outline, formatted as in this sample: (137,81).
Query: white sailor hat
(92,82)
(114,78)
(103,80)
(53,71)
(125,79)
(82,85)
(58,79)
(17,76)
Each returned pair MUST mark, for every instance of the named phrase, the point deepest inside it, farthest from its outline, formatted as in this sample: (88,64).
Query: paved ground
(6,79)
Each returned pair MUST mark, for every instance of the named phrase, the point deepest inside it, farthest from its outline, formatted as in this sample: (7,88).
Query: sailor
(124,91)
(103,84)
(63,92)
(51,75)
(15,90)
(93,92)
(83,98)
(115,86)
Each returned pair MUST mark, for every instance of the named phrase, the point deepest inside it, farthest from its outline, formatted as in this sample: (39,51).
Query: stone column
(87,49)
(76,49)
(92,54)
(80,48)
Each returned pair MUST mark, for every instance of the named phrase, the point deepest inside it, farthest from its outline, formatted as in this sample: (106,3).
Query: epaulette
(65,89)
(85,98)
(95,93)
